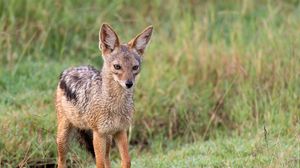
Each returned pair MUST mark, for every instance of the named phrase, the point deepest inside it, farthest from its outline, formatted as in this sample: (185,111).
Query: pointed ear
(140,42)
(108,39)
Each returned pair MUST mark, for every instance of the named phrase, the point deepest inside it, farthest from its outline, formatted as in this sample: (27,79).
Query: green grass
(232,152)
(215,73)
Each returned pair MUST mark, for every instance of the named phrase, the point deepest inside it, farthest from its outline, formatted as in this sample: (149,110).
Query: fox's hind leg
(63,133)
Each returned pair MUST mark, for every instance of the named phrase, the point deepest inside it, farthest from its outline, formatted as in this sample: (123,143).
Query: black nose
(128,84)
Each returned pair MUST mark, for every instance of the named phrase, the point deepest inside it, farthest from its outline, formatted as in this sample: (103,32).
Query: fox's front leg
(107,152)
(122,143)
(99,142)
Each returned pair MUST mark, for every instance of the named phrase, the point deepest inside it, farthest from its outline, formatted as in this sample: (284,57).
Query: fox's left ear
(140,42)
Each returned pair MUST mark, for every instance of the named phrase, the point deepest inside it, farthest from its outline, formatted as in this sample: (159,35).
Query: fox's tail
(85,139)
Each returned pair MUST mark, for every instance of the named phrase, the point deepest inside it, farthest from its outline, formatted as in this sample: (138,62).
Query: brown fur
(101,101)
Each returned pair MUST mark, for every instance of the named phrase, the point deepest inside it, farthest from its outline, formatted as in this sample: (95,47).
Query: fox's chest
(115,117)
(111,125)
(113,122)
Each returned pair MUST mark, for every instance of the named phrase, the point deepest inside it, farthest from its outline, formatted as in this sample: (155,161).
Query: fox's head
(123,61)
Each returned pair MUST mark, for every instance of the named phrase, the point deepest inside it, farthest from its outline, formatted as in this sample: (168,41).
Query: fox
(98,104)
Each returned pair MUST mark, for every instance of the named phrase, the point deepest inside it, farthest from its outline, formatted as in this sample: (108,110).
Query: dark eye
(117,66)
(136,67)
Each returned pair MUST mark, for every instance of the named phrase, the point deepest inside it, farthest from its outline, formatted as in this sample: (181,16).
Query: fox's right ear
(108,39)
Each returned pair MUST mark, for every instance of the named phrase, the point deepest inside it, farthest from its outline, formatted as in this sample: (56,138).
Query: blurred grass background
(214,70)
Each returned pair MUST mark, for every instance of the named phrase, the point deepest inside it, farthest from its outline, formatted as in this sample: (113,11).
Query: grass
(215,74)
(232,152)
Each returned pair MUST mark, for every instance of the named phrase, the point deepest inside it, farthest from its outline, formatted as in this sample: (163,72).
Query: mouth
(127,85)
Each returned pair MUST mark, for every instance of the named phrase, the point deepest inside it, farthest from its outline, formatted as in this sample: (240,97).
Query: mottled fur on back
(98,104)
(76,84)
